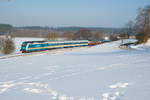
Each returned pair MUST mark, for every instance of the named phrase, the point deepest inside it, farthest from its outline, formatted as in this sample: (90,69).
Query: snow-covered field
(102,72)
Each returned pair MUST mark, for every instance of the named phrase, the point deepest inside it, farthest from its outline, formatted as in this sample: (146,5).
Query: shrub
(142,37)
(142,25)
(8,46)
(113,37)
(123,36)
(1,42)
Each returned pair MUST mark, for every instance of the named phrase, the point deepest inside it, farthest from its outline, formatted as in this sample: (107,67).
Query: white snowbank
(148,43)
(142,46)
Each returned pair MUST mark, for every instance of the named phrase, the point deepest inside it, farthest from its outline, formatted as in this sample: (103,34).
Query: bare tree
(8,45)
(129,28)
(142,25)
(113,37)
(83,34)
(123,36)
(53,35)
(68,35)
(99,35)
(1,43)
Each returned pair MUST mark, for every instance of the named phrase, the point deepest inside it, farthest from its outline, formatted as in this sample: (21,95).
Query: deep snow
(102,72)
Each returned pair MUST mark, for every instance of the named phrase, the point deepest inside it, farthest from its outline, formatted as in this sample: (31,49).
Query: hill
(39,31)
(102,72)
(73,29)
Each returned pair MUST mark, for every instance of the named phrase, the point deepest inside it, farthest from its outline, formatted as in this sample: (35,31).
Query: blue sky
(55,13)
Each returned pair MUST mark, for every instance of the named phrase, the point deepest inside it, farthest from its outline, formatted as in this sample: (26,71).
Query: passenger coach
(33,46)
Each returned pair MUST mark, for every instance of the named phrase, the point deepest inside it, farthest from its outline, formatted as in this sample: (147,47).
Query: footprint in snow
(116,92)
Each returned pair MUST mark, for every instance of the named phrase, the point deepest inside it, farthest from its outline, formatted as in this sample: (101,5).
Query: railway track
(54,51)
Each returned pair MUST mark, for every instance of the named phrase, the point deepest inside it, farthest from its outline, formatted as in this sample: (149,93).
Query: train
(33,46)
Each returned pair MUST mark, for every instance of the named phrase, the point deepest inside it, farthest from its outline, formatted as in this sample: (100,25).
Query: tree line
(81,34)
(5,28)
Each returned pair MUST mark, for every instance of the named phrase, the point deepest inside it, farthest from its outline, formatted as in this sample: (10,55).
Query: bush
(142,25)
(7,46)
(142,37)
(1,43)
(123,36)
(113,37)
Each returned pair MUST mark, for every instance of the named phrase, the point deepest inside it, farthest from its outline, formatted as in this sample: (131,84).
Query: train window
(34,45)
(43,45)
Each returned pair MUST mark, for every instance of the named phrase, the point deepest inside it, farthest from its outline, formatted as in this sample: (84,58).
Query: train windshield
(23,46)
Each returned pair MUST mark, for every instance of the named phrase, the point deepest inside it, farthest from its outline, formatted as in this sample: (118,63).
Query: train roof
(55,41)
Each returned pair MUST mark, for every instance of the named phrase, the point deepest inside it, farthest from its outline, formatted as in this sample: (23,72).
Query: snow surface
(102,72)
